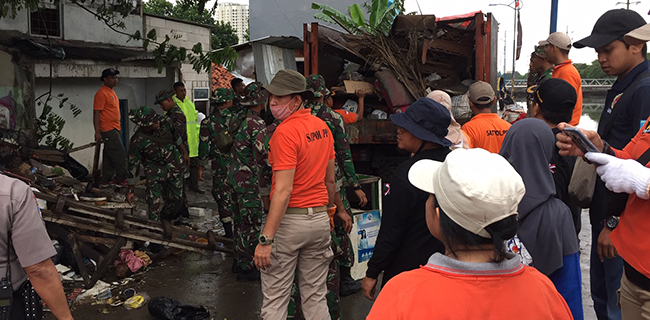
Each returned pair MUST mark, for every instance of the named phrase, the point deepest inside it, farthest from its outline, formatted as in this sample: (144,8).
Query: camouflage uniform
(261,153)
(244,179)
(161,159)
(217,122)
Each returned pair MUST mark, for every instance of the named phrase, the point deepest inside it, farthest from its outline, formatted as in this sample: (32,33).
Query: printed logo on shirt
(38,207)
(647,129)
(611,107)
(497,133)
(317,135)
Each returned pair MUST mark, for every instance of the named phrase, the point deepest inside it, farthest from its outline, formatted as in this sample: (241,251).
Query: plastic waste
(171,309)
(137,301)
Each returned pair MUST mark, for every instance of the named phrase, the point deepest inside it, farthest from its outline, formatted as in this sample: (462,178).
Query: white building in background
(237,15)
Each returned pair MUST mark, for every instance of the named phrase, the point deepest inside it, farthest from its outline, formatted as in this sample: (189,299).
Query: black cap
(108,72)
(612,25)
(427,120)
(555,95)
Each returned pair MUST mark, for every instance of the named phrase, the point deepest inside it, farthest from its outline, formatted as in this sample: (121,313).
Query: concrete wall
(20,23)
(81,91)
(285,17)
(78,24)
(190,34)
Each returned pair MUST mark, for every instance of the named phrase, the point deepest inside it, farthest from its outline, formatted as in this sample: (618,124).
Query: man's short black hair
(484,105)
(235,82)
(556,117)
(178,84)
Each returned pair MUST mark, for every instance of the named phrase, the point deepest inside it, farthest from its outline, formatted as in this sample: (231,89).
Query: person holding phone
(625,171)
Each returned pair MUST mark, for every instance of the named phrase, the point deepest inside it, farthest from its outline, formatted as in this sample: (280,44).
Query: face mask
(281,112)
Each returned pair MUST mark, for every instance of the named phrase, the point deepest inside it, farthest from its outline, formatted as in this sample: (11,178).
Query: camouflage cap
(316,84)
(540,52)
(143,116)
(163,95)
(255,94)
(221,95)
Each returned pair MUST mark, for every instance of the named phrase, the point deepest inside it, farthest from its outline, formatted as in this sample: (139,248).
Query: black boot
(248,275)
(348,285)
(227,226)
(194,180)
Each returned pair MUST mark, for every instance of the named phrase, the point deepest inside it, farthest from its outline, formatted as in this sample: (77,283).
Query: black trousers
(18,306)
(114,157)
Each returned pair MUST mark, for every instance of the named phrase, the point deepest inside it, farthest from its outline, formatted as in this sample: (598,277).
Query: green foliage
(590,71)
(380,20)
(49,124)
(223,35)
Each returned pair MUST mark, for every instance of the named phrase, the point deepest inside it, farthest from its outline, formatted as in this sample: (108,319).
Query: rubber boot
(348,285)
(227,226)
(194,180)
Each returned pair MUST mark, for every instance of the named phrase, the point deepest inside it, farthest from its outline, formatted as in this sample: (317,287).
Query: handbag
(582,183)
(25,304)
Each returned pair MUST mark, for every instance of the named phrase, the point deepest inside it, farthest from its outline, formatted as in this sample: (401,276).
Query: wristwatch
(611,222)
(356,187)
(265,240)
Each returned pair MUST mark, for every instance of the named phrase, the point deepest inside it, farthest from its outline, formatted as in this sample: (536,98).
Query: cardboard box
(352,86)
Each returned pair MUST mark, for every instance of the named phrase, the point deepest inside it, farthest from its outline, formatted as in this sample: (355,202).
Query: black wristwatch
(356,187)
(611,222)
(265,240)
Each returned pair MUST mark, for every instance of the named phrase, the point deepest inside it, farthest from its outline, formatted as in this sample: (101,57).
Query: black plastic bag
(171,309)
(76,169)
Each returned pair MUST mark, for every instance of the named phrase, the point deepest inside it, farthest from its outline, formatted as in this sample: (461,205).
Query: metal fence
(607,82)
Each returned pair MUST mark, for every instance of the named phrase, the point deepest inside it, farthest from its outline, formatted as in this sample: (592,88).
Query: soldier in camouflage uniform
(244,178)
(211,127)
(153,147)
(261,154)
(176,117)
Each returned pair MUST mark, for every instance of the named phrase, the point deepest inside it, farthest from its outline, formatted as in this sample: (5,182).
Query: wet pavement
(206,279)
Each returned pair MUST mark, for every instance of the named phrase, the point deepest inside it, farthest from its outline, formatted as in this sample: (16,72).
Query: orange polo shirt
(567,72)
(348,117)
(108,105)
(437,292)
(304,143)
(486,131)
(632,235)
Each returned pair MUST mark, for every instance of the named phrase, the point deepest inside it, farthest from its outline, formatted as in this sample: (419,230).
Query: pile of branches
(402,58)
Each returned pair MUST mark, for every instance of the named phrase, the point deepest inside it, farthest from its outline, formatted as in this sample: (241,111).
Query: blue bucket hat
(427,120)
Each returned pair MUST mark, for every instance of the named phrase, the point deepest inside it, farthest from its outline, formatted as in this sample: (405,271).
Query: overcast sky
(576,16)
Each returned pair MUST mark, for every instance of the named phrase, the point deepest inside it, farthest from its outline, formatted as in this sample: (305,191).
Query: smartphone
(580,139)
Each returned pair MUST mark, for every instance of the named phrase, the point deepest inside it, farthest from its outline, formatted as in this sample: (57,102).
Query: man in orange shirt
(486,130)
(557,48)
(296,236)
(106,120)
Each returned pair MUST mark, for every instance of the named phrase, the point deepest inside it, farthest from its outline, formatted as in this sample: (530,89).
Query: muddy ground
(205,279)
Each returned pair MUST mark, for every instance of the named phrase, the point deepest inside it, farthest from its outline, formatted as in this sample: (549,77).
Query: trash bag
(170,309)
(76,169)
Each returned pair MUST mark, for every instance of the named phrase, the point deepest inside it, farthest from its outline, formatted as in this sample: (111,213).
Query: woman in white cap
(472,211)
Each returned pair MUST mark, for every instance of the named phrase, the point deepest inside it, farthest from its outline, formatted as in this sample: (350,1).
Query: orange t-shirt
(348,117)
(444,293)
(567,72)
(109,106)
(304,143)
(631,237)
(487,131)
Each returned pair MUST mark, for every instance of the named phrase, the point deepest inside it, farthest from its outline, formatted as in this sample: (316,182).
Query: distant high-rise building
(237,15)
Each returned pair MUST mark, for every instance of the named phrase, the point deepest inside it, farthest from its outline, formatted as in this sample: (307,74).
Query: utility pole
(554,5)
(627,3)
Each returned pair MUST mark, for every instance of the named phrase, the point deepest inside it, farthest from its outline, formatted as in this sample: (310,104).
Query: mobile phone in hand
(580,140)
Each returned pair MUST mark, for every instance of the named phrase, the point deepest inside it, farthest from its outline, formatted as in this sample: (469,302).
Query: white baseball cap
(472,195)
(639,35)
(558,39)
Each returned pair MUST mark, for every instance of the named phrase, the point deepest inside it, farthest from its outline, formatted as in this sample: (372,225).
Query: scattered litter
(104,294)
(171,309)
(137,301)
(94,291)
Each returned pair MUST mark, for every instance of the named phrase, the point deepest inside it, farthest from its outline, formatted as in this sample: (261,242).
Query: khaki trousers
(301,243)
(634,301)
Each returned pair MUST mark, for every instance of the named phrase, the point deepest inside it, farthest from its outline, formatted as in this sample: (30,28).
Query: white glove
(620,175)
